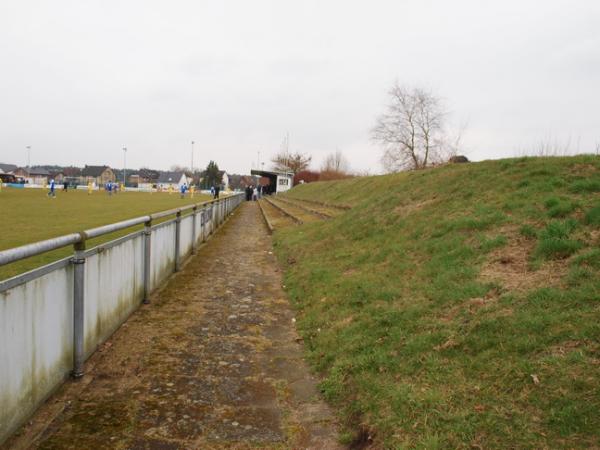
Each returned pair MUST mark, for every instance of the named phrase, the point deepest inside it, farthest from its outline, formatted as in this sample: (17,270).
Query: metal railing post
(177,240)
(78,309)
(212,218)
(147,260)
(194,237)
(203,224)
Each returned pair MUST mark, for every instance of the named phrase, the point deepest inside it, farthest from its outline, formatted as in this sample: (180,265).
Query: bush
(308,176)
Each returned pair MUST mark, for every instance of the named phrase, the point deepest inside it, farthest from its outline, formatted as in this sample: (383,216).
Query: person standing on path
(217,190)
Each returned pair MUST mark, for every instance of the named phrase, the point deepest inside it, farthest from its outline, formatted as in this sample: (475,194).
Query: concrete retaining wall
(36,343)
(163,253)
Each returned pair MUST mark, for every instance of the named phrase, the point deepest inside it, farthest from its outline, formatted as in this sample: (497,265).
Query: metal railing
(203,218)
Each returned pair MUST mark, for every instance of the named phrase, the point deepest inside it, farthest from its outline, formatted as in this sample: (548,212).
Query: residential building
(7,168)
(224,180)
(33,175)
(57,176)
(172,179)
(99,175)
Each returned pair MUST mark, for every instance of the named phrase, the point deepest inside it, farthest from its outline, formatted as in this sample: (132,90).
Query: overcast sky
(79,80)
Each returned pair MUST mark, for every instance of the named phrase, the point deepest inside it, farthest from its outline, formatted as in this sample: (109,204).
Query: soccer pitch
(29,215)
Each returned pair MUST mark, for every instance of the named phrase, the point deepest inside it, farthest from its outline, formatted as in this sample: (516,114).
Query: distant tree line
(334,167)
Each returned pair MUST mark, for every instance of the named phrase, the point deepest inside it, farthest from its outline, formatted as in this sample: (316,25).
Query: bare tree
(336,162)
(291,162)
(412,130)
(548,146)
(335,167)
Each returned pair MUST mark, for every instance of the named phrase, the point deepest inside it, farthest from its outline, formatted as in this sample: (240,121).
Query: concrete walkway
(213,363)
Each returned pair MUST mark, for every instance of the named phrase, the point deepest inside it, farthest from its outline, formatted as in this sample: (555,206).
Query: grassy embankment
(457,307)
(28,215)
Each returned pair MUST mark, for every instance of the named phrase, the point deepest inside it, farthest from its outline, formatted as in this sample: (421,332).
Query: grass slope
(29,215)
(456,307)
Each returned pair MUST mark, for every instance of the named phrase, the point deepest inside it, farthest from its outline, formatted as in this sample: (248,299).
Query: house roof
(93,171)
(35,171)
(170,177)
(270,173)
(149,174)
(72,171)
(7,167)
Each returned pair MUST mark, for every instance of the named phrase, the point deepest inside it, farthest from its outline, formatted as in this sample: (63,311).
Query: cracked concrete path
(212,363)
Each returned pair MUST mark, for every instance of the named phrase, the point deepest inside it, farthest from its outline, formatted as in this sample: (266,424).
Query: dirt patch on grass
(471,306)
(406,209)
(510,267)
(572,345)
(584,169)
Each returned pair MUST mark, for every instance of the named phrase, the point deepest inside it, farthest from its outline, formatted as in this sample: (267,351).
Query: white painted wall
(163,254)
(114,288)
(284,183)
(185,238)
(36,344)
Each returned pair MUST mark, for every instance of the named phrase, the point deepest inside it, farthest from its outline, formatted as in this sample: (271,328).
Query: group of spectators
(253,192)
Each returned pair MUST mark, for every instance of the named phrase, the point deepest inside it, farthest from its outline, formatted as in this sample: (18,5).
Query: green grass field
(28,215)
(456,307)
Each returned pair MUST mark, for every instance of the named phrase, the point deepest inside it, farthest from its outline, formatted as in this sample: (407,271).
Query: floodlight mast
(124,164)
(192,164)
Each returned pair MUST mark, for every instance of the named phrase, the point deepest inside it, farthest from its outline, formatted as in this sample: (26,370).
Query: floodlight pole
(28,155)
(124,164)
(192,165)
